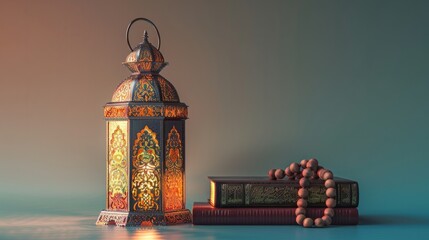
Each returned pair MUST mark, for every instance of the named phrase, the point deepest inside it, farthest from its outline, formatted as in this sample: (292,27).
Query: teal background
(267,82)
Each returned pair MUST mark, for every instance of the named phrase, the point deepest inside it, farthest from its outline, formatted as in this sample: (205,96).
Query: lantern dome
(145,84)
(145,58)
(145,93)
(145,87)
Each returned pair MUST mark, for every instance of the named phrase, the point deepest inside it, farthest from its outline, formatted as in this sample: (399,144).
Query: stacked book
(260,201)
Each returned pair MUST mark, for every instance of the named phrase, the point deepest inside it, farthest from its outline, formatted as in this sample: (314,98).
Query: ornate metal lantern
(145,127)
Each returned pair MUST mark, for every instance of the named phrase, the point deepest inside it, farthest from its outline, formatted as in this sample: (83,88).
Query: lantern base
(125,219)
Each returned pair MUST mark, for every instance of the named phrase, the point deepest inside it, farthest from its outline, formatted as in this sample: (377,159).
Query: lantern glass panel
(117,165)
(173,171)
(146,173)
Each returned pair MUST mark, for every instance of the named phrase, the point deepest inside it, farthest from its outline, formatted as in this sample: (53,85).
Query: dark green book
(263,192)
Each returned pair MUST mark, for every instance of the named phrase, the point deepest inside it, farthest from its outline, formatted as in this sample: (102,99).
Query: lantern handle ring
(146,20)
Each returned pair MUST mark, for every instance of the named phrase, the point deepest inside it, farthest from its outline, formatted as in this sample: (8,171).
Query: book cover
(262,192)
(205,214)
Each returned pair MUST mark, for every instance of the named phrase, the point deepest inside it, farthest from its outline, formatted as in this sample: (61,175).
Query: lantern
(145,127)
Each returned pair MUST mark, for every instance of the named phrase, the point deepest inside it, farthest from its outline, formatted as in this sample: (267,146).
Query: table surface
(55,226)
(34,217)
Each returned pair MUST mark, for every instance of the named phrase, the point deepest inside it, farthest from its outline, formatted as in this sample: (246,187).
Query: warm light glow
(212,193)
(146,171)
(173,171)
(147,234)
(117,165)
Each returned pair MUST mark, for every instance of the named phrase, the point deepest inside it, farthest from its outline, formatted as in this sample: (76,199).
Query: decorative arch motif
(173,171)
(146,173)
(118,176)
(144,90)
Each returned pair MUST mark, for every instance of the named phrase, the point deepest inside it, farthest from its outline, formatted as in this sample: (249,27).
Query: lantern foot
(125,219)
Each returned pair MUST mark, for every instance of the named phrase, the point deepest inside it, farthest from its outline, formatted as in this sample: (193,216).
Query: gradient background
(267,82)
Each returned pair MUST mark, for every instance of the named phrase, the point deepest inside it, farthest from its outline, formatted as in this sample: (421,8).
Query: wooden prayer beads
(310,170)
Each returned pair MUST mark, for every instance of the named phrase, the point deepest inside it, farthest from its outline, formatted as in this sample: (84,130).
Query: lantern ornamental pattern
(118,184)
(145,128)
(146,174)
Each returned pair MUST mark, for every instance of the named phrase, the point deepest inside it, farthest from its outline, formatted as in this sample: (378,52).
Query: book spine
(266,216)
(279,194)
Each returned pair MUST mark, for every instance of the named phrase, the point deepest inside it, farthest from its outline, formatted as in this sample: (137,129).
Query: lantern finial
(145,35)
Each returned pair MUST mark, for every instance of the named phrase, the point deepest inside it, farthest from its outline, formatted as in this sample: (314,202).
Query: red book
(205,214)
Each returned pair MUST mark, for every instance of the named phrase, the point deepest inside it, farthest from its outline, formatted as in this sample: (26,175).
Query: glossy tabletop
(75,219)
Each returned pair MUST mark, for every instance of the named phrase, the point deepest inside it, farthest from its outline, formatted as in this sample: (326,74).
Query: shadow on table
(392,220)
